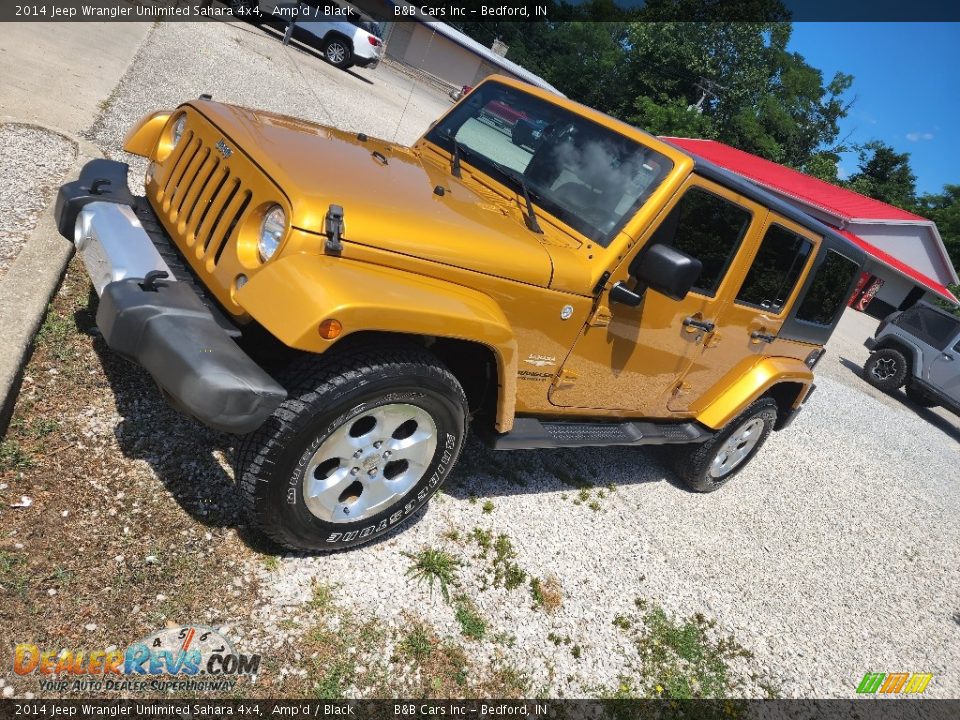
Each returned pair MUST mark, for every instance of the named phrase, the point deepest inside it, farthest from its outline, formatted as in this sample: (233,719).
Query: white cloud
(918,136)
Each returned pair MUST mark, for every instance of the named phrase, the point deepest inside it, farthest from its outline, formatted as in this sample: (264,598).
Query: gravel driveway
(835,553)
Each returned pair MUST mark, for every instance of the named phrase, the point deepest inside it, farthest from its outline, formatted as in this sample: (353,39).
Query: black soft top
(832,239)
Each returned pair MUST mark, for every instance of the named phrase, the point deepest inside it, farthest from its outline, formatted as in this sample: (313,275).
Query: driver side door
(631,359)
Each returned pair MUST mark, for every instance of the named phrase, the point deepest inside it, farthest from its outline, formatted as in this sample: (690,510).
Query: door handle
(761,336)
(704,325)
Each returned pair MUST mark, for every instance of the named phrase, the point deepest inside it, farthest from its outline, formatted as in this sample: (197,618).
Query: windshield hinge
(334,226)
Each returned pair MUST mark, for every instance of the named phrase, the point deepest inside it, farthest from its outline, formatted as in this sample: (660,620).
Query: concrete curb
(29,284)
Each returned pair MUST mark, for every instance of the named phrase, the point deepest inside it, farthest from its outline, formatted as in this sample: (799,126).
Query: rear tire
(709,466)
(919,397)
(886,369)
(316,475)
(338,52)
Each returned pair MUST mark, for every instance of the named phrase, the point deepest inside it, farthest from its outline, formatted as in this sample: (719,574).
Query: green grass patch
(679,658)
(13,457)
(472,625)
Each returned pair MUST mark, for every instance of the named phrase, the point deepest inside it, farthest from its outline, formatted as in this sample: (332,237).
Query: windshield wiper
(530,216)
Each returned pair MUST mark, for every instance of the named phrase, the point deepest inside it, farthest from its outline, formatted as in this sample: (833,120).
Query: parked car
(458,93)
(918,349)
(604,289)
(344,35)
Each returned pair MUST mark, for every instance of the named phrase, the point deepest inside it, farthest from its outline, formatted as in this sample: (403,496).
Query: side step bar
(530,433)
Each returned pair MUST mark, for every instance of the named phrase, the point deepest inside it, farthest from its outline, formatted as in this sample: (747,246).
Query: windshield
(588,176)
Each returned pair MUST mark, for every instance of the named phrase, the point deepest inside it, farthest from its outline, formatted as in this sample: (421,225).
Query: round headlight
(271,232)
(179,124)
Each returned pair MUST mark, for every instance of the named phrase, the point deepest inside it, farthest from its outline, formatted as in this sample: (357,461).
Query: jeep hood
(387,193)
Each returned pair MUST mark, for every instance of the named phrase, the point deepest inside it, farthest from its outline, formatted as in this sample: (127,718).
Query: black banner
(491,11)
(887,709)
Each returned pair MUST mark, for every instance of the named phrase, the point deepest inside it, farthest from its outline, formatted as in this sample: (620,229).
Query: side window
(827,292)
(708,228)
(933,328)
(776,269)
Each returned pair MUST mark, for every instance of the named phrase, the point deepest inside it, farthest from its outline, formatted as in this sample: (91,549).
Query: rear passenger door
(764,285)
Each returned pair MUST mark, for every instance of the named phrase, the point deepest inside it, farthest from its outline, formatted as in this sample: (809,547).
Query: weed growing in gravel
(576,651)
(546,594)
(451,534)
(271,563)
(504,572)
(435,566)
(679,659)
(13,457)
(487,507)
(471,624)
(14,576)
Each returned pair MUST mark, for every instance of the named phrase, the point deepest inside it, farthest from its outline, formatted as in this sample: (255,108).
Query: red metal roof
(918,277)
(837,201)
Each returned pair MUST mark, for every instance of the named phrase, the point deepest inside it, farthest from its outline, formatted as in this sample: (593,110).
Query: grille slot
(191,236)
(223,174)
(178,164)
(244,201)
(199,159)
(212,229)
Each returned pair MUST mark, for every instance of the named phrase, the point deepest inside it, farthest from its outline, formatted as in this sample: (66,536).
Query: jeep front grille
(203,199)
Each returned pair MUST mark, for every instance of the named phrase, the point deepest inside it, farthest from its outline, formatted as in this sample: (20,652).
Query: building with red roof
(909,260)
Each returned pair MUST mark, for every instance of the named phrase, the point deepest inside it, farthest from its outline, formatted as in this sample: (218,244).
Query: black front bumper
(168,330)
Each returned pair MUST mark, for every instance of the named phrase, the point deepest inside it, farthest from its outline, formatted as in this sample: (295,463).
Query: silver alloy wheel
(336,52)
(735,450)
(884,369)
(369,462)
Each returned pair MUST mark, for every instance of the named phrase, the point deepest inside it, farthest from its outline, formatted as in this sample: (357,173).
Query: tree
(884,174)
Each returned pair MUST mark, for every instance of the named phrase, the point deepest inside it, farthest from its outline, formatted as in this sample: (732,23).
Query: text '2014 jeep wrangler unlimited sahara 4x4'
(592,285)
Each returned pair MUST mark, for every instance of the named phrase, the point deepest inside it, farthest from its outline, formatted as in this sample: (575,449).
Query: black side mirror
(666,270)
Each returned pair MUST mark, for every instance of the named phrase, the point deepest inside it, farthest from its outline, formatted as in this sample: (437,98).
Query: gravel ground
(833,554)
(33,163)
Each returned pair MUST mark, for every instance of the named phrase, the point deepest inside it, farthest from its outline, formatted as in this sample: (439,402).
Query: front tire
(886,369)
(709,466)
(363,441)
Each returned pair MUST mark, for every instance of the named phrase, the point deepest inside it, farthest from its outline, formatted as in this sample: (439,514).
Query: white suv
(344,35)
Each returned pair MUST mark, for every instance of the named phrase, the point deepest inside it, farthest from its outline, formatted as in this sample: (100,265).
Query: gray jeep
(918,348)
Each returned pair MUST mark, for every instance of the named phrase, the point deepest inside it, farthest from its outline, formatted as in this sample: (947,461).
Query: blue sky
(906,86)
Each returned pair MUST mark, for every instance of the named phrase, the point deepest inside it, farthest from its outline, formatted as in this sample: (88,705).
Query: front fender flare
(292,295)
(760,378)
(142,138)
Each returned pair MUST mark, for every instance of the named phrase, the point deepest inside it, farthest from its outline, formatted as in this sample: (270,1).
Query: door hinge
(600,317)
(564,377)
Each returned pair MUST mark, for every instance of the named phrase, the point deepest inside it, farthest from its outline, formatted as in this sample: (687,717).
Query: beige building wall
(419,46)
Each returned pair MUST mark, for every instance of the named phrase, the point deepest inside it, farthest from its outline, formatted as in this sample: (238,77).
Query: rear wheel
(337,51)
(920,397)
(886,369)
(362,442)
(708,466)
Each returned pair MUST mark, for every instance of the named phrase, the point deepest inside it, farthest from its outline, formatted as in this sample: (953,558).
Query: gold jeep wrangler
(556,277)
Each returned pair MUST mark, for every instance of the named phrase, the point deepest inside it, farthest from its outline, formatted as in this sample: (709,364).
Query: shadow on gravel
(184,454)
(483,472)
(942,424)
